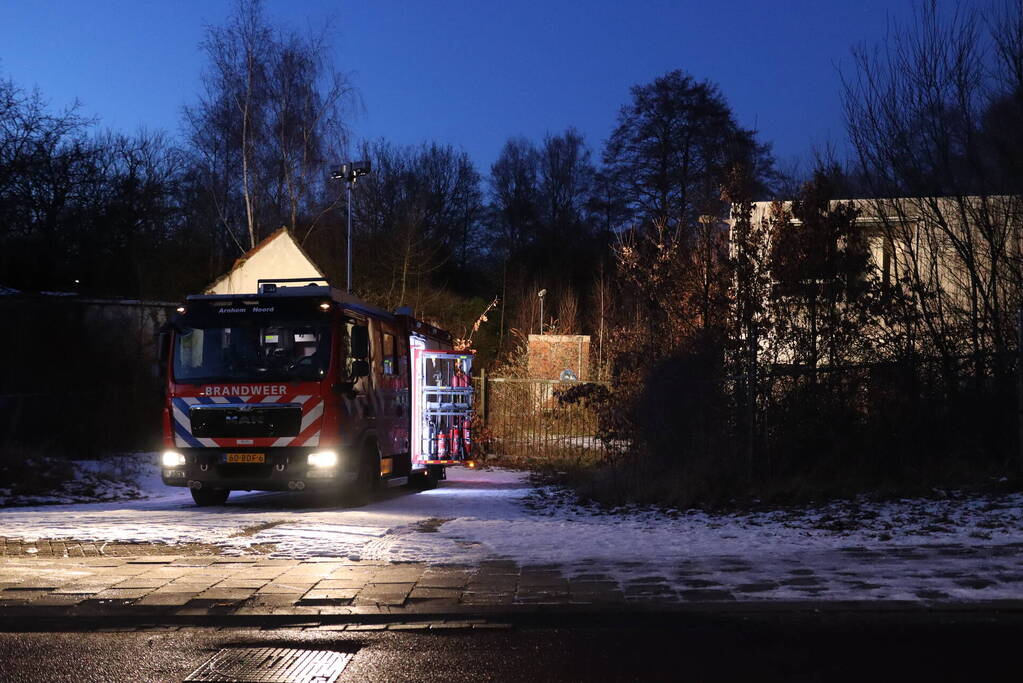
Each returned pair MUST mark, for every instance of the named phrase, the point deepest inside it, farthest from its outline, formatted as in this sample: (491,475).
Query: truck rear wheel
(209,497)
(428,478)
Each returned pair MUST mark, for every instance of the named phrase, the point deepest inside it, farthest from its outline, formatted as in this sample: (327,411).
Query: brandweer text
(264,390)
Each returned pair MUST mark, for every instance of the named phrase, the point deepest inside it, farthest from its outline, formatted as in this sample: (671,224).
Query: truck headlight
(323,459)
(173,459)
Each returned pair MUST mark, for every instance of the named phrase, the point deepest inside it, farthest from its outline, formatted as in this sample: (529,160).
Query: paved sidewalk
(69,579)
(250,585)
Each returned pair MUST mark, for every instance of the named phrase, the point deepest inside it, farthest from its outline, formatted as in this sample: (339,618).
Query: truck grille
(245,421)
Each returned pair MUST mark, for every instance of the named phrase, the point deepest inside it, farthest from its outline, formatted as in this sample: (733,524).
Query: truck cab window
(293,351)
(355,348)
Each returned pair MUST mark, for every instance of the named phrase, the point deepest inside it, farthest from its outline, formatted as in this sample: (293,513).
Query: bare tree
(930,117)
(748,296)
(819,264)
(565,186)
(514,189)
(416,221)
(269,119)
(308,100)
(568,312)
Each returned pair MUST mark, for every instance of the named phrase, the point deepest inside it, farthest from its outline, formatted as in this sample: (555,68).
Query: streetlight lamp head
(350,171)
(542,293)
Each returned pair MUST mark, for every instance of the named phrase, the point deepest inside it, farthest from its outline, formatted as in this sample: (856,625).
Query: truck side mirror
(360,368)
(360,342)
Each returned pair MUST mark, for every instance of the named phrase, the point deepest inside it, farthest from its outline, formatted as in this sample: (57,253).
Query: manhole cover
(271,665)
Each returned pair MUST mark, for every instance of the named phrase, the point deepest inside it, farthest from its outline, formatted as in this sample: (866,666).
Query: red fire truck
(300,386)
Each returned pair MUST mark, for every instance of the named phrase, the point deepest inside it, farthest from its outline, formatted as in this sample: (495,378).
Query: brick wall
(549,354)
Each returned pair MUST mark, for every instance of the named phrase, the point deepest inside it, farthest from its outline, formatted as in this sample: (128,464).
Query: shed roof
(277,256)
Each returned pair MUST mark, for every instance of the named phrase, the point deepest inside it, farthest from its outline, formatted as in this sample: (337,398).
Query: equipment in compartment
(446,400)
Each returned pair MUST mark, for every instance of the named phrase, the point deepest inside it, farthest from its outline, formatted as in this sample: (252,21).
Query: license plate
(246,457)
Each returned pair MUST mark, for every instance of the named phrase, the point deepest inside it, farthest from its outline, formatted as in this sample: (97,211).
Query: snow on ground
(956,548)
(121,477)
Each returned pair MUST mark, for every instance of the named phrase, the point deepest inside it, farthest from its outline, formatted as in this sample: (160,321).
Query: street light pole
(348,241)
(349,173)
(542,293)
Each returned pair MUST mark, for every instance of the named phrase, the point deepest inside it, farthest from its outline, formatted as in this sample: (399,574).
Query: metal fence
(524,418)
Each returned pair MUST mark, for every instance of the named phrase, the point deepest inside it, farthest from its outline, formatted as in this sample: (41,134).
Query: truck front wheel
(359,492)
(209,497)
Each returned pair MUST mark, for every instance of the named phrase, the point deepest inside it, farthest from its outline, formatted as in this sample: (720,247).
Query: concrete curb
(14,619)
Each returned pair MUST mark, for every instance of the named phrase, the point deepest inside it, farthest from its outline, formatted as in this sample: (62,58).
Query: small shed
(278,256)
(551,355)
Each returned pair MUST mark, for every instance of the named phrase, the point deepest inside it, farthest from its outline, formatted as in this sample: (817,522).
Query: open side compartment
(442,409)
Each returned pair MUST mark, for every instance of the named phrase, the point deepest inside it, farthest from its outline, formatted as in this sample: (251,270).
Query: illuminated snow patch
(853,550)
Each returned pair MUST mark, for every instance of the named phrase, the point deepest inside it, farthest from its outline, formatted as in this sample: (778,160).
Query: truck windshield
(252,353)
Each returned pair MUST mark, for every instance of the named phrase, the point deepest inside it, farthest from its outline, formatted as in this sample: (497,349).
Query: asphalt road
(771,646)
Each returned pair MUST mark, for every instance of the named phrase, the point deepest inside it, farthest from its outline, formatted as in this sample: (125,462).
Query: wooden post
(483,394)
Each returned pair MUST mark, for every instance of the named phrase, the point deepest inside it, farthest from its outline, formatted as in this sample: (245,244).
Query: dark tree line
(141,216)
(77,205)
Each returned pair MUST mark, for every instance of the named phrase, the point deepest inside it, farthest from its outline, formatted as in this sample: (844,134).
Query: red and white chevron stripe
(309,433)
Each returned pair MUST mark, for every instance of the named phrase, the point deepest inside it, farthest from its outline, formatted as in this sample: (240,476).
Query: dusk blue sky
(468,73)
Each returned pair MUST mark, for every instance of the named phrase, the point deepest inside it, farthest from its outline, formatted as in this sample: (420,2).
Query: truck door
(356,367)
(442,407)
